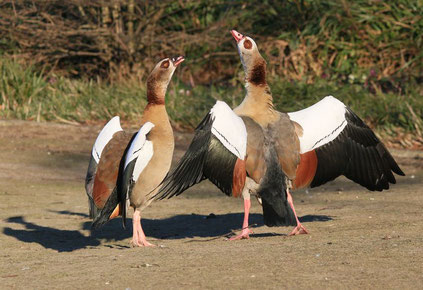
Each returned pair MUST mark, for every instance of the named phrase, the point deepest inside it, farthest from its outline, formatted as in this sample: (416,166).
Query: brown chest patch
(257,75)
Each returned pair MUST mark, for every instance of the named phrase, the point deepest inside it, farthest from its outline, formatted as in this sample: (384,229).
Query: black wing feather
(219,166)
(189,170)
(89,185)
(358,154)
(206,158)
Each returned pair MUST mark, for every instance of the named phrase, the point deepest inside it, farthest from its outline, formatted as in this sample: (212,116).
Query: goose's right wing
(217,152)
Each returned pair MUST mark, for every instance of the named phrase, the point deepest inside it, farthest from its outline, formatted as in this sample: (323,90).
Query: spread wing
(103,138)
(334,142)
(217,152)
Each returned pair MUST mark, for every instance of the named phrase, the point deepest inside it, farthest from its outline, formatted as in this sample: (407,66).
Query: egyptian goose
(319,143)
(219,153)
(126,168)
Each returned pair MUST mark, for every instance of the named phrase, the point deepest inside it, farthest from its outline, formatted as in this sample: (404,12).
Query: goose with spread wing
(319,143)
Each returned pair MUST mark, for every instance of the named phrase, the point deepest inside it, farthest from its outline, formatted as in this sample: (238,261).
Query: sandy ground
(358,238)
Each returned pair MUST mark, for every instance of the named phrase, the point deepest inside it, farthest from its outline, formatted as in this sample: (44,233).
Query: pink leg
(138,236)
(245,234)
(299,229)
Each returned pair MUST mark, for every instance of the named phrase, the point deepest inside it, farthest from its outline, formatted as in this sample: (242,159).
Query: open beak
(177,60)
(238,36)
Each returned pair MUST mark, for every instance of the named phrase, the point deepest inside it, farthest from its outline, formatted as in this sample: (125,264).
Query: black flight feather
(206,158)
(359,155)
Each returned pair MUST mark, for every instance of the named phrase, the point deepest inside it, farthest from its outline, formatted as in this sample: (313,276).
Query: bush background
(79,61)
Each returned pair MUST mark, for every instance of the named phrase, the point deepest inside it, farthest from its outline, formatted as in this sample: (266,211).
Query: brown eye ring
(248,44)
(165,64)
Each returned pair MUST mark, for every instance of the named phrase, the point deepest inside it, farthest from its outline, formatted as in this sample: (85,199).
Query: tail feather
(276,209)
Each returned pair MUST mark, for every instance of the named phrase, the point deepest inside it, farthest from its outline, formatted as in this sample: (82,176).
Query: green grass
(30,95)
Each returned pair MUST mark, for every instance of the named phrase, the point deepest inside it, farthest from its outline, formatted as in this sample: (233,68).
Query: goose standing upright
(126,167)
(319,143)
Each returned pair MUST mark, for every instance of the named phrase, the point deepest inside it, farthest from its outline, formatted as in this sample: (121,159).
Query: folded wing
(103,138)
(135,158)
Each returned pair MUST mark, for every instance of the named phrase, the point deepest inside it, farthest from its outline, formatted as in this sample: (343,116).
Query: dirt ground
(358,238)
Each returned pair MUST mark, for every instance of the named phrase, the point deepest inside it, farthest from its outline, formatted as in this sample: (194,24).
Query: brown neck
(258,102)
(155,92)
(257,89)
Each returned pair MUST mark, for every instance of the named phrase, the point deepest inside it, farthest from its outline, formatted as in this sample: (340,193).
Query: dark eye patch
(248,44)
(165,64)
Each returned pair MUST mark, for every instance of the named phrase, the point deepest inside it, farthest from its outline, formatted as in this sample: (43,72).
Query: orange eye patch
(248,44)
(165,64)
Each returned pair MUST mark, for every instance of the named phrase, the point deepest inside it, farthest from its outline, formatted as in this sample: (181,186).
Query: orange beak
(177,60)
(238,36)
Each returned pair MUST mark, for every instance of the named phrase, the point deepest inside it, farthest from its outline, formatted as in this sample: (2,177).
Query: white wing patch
(105,135)
(142,149)
(229,129)
(321,122)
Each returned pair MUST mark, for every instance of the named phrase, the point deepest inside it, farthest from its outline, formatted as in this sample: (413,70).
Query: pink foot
(299,230)
(141,243)
(245,234)
(138,236)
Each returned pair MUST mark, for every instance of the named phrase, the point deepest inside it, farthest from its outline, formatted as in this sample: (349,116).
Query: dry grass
(377,41)
(77,61)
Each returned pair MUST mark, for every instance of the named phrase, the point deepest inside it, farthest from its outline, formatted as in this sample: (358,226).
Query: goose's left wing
(334,141)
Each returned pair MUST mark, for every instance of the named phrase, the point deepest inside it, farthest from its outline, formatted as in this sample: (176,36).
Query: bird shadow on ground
(176,227)
(48,237)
